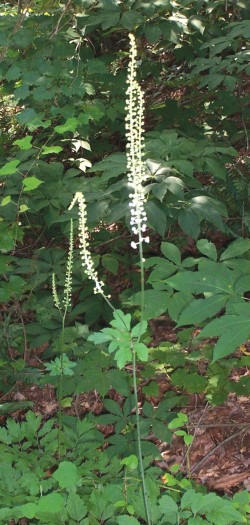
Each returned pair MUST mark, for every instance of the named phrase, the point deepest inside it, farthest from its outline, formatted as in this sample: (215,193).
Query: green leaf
(141,351)
(70,125)
(202,281)
(52,503)
(6,200)
(28,510)
(155,302)
(7,408)
(96,66)
(67,402)
(109,19)
(95,380)
(177,303)
(192,382)
(26,116)
(162,270)
(127,520)
(6,514)
(31,183)
(175,186)
(207,248)
(187,499)
(179,421)
(152,33)
(169,509)
(110,263)
(171,252)
(216,168)
(112,407)
(213,81)
(189,222)
(48,150)
(121,321)
(4,434)
(208,208)
(242,284)
(235,249)
(14,73)
(99,338)
(161,431)
(130,19)
(224,513)
(184,166)
(188,439)
(198,23)
(23,208)
(113,166)
(75,507)
(66,474)
(159,190)
(201,309)
(61,366)
(233,331)
(156,217)
(131,462)
(21,92)
(32,423)
(139,329)
(25,143)
(123,356)
(10,168)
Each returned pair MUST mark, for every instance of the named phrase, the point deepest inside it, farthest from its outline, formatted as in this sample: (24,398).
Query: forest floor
(219,456)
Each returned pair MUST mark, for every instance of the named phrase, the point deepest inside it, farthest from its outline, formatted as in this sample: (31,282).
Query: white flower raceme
(54,292)
(87,262)
(68,277)
(134,123)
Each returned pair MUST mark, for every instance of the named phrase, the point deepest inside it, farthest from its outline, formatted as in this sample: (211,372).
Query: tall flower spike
(54,292)
(68,277)
(87,262)
(134,123)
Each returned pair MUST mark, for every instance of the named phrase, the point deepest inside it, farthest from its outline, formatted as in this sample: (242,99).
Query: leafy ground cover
(78,377)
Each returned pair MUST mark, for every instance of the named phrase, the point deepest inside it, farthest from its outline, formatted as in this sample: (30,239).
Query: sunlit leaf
(10,167)
(31,183)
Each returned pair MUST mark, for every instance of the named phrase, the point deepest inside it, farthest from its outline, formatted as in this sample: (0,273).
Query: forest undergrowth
(125,262)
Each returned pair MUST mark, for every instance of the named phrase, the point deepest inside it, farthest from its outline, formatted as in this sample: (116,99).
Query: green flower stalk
(134,123)
(69,268)
(54,293)
(68,278)
(66,303)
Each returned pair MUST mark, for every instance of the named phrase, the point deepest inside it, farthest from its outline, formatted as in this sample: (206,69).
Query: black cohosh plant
(87,486)
(123,339)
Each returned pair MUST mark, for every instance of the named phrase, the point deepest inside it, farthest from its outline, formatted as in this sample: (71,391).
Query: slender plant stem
(138,431)
(134,369)
(60,384)
(135,387)
(142,284)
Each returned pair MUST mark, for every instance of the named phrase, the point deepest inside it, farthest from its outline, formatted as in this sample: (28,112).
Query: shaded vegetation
(63,91)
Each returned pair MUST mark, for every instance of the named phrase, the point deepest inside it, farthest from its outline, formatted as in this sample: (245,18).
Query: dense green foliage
(63,82)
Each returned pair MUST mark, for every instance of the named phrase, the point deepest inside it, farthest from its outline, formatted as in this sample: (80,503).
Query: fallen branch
(213,450)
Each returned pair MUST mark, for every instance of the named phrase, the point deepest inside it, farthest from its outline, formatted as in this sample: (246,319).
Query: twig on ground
(218,425)
(213,450)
